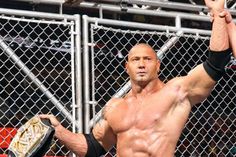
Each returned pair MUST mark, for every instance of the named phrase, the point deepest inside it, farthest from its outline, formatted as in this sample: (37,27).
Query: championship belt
(32,139)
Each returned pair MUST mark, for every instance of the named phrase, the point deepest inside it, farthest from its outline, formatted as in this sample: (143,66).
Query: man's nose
(141,63)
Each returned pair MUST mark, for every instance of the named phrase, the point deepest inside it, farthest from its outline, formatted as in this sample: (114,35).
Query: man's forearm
(219,37)
(74,142)
(231,27)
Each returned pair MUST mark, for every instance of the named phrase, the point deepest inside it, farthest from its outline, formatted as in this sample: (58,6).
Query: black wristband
(216,62)
(94,147)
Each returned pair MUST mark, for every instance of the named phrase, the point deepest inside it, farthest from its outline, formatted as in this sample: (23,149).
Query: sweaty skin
(148,121)
(150,124)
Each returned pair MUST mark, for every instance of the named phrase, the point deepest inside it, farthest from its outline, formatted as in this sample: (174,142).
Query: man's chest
(146,113)
(161,109)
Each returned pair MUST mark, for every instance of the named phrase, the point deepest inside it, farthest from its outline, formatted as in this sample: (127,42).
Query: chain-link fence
(36,64)
(37,69)
(210,130)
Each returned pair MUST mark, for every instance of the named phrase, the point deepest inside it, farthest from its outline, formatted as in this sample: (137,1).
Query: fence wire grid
(35,68)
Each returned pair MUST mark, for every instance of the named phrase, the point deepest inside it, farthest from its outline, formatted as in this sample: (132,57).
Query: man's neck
(146,89)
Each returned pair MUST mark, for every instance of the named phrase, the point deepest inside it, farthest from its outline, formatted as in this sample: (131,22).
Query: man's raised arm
(201,80)
(219,37)
(231,27)
(219,51)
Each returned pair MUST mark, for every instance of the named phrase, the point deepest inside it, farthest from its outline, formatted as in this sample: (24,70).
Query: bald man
(148,121)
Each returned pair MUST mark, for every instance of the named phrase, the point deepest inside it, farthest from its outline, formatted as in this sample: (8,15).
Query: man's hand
(53,120)
(215,6)
(226,14)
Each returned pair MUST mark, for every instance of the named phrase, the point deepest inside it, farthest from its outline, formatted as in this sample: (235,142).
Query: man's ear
(126,67)
(158,65)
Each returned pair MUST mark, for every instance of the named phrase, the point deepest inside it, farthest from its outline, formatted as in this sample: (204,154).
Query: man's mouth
(141,73)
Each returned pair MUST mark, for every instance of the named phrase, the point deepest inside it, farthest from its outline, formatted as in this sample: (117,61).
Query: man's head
(143,64)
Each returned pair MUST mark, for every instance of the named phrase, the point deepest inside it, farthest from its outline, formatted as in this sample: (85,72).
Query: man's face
(142,65)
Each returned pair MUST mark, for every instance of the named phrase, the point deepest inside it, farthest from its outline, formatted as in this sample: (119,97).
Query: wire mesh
(35,61)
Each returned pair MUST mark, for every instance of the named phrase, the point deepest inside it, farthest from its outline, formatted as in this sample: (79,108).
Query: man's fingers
(226,14)
(44,116)
(223,14)
(51,117)
(228,17)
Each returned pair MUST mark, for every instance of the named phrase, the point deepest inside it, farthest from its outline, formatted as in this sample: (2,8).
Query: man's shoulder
(114,101)
(112,106)
(175,81)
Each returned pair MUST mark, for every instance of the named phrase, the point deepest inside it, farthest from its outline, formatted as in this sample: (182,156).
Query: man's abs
(136,143)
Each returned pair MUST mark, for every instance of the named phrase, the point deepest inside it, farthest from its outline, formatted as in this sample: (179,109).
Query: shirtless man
(148,121)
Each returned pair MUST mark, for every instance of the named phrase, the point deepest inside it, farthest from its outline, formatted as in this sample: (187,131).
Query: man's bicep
(104,134)
(198,84)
